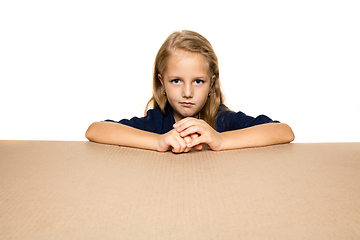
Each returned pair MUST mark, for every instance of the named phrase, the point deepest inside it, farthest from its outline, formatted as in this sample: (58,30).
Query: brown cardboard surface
(84,190)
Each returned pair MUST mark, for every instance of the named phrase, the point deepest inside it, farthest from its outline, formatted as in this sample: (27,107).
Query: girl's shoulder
(228,120)
(154,121)
(224,108)
(154,113)
(224,111)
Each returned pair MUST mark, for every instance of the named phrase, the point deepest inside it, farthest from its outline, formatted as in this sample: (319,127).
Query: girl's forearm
(119,134)
(257,136)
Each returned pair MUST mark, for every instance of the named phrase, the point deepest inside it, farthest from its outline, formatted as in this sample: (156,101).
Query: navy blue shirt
(226,120)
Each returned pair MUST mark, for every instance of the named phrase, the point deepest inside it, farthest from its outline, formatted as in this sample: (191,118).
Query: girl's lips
(186,104)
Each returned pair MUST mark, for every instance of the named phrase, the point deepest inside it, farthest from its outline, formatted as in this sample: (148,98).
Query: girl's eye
(198,81)
(176,81)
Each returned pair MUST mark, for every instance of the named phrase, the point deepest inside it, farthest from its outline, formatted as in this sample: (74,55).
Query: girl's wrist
(222,141)
(218,144)
(227,141)
(157,143)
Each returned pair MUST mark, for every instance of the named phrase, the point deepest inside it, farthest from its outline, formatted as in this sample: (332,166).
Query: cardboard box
(84,190)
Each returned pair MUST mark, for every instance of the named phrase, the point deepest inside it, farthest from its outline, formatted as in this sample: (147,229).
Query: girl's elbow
(290,137)
(289,134)
(90,132)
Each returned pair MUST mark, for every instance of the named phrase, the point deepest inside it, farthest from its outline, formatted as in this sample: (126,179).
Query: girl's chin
(185,115)
(193,116)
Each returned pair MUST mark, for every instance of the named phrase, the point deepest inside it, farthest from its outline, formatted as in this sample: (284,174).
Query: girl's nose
(187,91)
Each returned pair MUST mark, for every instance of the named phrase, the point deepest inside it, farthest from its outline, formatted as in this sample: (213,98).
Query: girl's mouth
(186,104)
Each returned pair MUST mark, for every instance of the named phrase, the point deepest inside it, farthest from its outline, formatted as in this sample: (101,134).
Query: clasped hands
(189,133)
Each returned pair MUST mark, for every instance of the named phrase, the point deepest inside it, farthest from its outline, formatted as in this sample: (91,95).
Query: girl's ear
(212,80)
(160,79)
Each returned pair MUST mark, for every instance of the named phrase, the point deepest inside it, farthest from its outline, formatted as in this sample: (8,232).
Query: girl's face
(187,83)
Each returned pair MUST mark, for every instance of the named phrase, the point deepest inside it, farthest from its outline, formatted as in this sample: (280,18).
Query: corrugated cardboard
(84,190)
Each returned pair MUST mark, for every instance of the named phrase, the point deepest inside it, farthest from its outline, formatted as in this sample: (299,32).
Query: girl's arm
(119,134)
(256,136)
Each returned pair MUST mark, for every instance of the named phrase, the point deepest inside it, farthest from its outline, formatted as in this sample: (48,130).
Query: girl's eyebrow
(174,77)
(177,77)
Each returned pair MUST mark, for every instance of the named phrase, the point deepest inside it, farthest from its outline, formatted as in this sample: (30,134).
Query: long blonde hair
(192,42)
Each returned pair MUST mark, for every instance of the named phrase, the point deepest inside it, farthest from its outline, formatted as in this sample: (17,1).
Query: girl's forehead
(179,57)
(180,53)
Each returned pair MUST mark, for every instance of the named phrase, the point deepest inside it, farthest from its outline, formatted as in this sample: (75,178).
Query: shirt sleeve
(229,121)
(152,122)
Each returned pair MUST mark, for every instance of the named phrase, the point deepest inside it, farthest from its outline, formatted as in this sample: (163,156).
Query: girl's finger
(195,142)
(183,143)
(187,139)
(194,136)
(175,147)
(184,123)
(191,130)
(198,147)
(187,149)
(177,124)
(178,148)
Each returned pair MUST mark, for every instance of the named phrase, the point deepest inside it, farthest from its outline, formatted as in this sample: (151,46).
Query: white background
(66,64)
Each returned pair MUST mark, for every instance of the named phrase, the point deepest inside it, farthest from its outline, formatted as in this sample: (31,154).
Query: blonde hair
(192,42)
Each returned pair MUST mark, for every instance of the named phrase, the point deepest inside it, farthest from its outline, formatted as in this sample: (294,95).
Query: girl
(187,107)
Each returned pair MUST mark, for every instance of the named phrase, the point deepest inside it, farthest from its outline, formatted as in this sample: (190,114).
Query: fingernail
(178,129)
(175,125)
